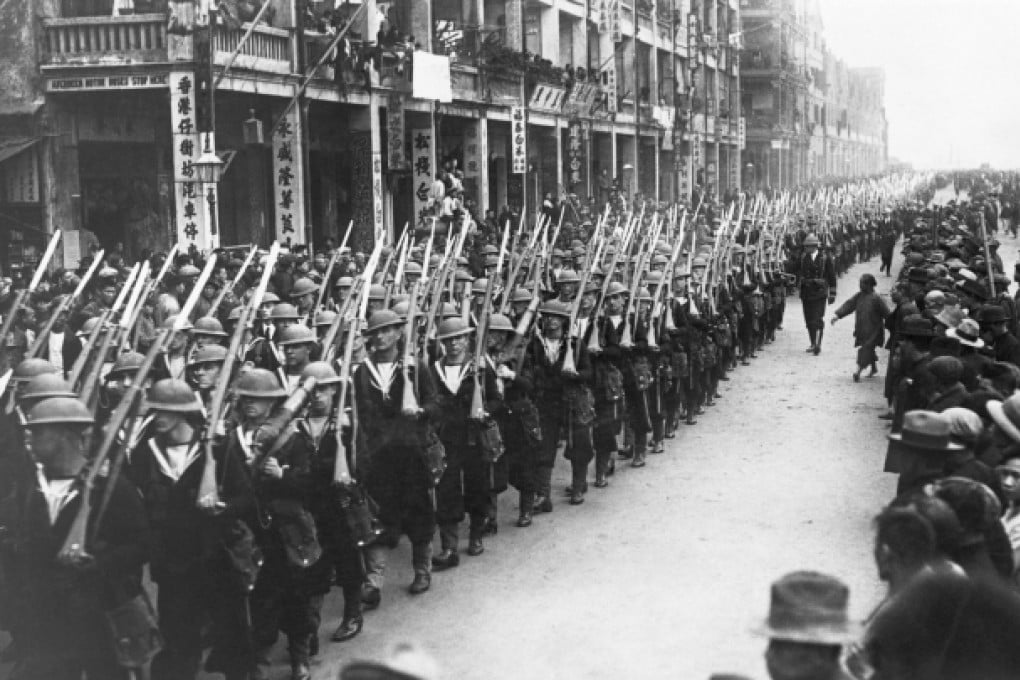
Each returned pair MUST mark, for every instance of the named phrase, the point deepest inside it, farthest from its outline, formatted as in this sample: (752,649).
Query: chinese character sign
(422,175)
(519,141)
(575,154)
(615,21)
(377,193)
(288,176)
(742,132)
(395,131)
(189,200)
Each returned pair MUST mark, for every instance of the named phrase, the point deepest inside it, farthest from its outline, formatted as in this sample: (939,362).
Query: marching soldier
(466,483)
(817,287)
(188,566)
(60,603)
(400,459)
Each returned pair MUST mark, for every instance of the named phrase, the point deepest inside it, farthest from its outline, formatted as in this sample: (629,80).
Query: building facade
(809,116)
(328,116)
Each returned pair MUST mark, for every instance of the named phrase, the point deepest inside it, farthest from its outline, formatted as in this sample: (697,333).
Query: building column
(482,155)
(560,183)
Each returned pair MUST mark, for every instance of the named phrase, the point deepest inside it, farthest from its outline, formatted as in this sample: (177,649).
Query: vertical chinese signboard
(395,131)
(519,141)
(575,154)
(615,21)
(288,188)
(421,172)
(189,209)
(742,132)
(377,193)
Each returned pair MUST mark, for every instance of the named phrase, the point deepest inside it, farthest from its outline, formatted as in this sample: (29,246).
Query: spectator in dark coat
(870,312)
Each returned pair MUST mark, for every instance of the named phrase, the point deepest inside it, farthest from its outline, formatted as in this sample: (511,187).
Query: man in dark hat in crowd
(921,450)
(807,627)
(817,286)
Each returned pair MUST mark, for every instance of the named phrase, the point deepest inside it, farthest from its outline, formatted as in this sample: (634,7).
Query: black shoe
(671,432)
(475,547)
(625,453)
(724,378)
(886,416)
(717,396)
(810,349)
(347,629)
(600,481)
(638,462)
(576,498)
(525,519)
(491,527)
(447,559)
(370,597)
(543,504)
(818,350)
(420,583)
(745,362)
(857,377)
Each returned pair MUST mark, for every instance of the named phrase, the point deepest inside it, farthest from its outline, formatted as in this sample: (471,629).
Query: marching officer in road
(817,287)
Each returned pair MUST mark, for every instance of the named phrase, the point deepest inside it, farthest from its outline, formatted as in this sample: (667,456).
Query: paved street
(662,574)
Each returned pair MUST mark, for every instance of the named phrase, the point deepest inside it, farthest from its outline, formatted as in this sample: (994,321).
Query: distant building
(808,115)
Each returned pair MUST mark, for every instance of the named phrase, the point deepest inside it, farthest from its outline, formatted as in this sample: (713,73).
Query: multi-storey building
(808,115)
(150,122)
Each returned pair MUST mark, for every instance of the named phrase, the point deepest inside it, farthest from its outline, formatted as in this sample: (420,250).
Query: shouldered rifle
(208,496)
(64,305)
(75,549)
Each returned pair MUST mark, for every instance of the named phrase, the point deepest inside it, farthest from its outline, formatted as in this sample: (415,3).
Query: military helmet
(383,318)
(270,298)
(210,354)
(402,308)
(615,288)
(479,285)
(235,313)
(377,291)
(521,295)
(59,411)
(323,373)
(643,293)
(298,334)
(500,322)
(567,276)
(555,308)
(128,362)
(463,275)
(208,325)
(811,240)
(324,317)
(259,383)
(660,259)
(170,394)
(448,311)
(284,311)
(490,249)
(303,287)
(452,328)
(88,326)
(188,271)
(653,278)
(44,386)
(699,262)
(29,368)
(412,268)
(170,321)
(344,282)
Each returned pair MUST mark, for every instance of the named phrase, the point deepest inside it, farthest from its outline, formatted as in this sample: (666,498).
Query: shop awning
(12,146)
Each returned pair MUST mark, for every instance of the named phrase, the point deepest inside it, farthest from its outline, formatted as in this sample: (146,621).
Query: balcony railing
(267,50)
(106,40)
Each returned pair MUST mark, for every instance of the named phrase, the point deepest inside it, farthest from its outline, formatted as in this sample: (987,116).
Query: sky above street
(952,96)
